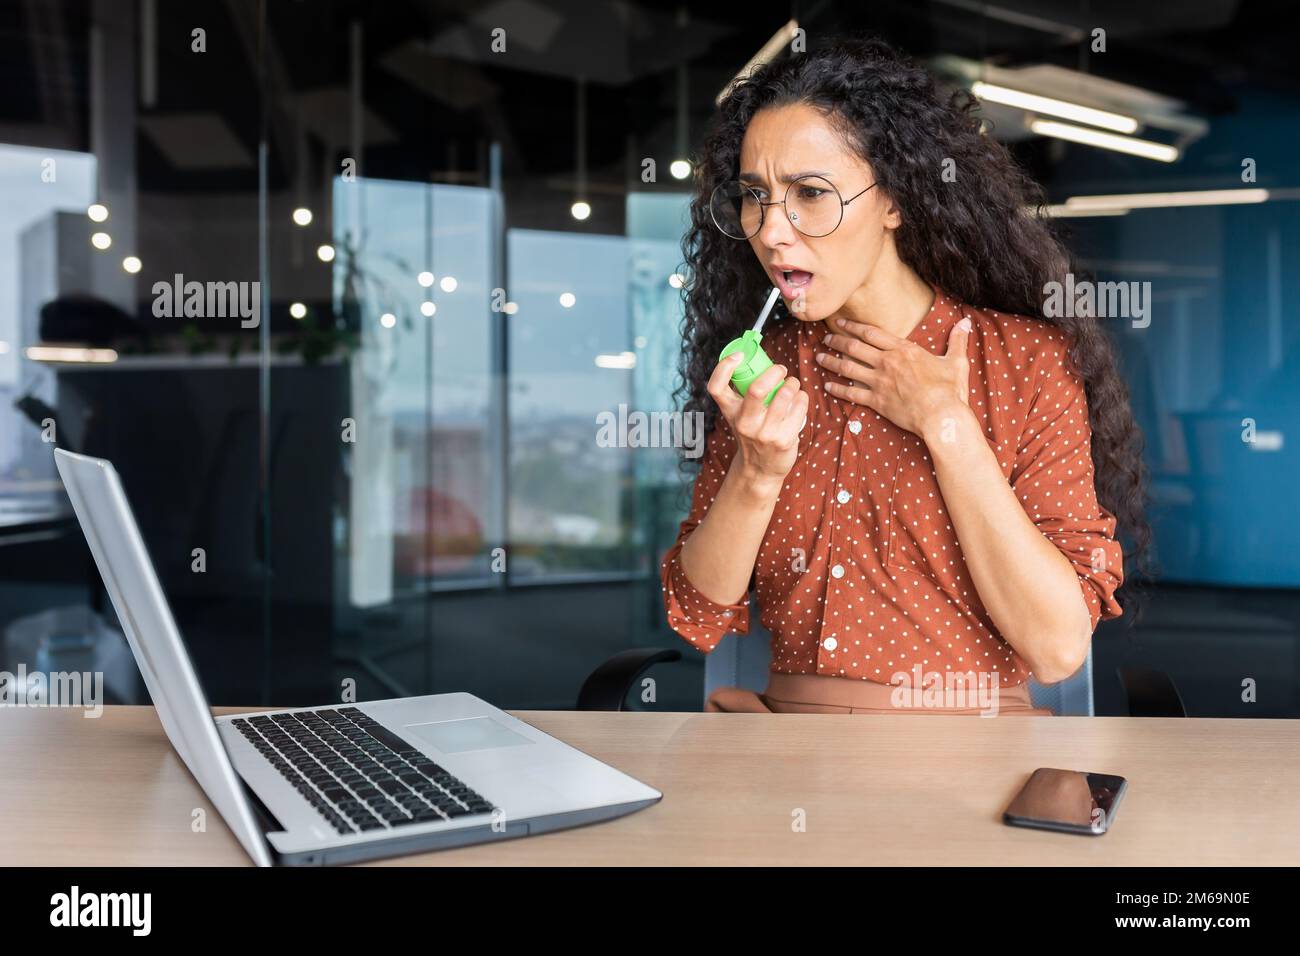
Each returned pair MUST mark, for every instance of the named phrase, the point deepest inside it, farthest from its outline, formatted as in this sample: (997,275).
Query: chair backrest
(1150,693)
(739,661)
(743,661)
(1072,697)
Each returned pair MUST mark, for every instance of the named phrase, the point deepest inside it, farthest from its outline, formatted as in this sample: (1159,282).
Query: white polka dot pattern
(882,585)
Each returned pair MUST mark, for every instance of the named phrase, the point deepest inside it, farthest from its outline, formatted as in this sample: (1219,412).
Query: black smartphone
(1070,801)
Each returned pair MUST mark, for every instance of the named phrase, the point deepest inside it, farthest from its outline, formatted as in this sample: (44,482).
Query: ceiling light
(1202,197)
(768,52)
(1094,137)
(1054,107)
(61,353)
(1064,211)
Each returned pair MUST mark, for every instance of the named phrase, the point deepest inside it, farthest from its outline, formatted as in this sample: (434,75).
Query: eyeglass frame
(762,211)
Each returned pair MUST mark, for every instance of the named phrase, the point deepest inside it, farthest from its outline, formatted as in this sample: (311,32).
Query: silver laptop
(344,783)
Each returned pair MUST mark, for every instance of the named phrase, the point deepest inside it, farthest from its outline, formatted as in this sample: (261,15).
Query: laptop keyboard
(357,774)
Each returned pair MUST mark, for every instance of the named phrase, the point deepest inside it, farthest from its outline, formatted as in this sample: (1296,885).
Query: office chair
(606,687)
(1150,693)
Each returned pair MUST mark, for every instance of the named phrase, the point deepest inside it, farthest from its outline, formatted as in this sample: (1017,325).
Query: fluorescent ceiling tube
(1066,211)
(1202,197)
(60,353)
(1054,107)
(1095,137)
(769,51)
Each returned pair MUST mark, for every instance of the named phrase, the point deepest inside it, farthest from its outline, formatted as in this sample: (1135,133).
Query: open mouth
(793,282)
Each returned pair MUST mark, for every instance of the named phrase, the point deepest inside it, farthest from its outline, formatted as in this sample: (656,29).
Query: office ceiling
(435,93)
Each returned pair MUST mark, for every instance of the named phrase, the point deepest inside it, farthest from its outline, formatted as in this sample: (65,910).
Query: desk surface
(927,789)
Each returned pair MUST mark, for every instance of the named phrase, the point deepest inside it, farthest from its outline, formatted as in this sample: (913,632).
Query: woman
(928,509)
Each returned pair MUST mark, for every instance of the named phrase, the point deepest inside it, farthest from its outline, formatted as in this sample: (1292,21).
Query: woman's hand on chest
(913,388)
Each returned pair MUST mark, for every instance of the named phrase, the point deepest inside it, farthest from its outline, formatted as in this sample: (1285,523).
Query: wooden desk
(876,790)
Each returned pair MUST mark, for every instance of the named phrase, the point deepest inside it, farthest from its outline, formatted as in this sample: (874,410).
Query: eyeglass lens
(812,204)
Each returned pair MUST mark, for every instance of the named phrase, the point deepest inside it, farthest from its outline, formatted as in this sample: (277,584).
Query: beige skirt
(823,694)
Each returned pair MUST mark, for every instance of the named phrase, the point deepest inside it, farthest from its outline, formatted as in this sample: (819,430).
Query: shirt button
(837,571)
(855,426)
(830,643)
(843,497)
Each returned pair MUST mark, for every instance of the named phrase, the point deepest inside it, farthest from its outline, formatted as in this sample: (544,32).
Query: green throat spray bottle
(755,361)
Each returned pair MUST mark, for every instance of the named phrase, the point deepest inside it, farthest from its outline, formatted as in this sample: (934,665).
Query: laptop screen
(107,521)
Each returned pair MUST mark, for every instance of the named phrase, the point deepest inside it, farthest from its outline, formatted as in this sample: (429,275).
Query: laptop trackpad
(471,733)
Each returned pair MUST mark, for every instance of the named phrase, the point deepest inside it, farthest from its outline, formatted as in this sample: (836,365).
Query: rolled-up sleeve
(1054,480)
(698,619)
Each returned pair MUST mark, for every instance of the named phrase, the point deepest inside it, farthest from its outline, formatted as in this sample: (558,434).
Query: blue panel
(1216,375)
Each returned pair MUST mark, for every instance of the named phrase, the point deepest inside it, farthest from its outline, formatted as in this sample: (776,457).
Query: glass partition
(415,431)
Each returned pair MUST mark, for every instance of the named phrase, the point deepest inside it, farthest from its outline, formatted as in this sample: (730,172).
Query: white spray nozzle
(767,309)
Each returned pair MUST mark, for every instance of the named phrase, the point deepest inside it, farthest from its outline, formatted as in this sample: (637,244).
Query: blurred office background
(395,479)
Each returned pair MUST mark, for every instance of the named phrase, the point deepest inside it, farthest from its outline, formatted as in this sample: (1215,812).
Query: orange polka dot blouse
(860,573)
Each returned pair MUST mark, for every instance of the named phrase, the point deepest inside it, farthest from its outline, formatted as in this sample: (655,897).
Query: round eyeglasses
(812,204)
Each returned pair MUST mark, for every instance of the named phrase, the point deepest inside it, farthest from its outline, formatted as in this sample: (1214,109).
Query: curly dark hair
(988,244)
